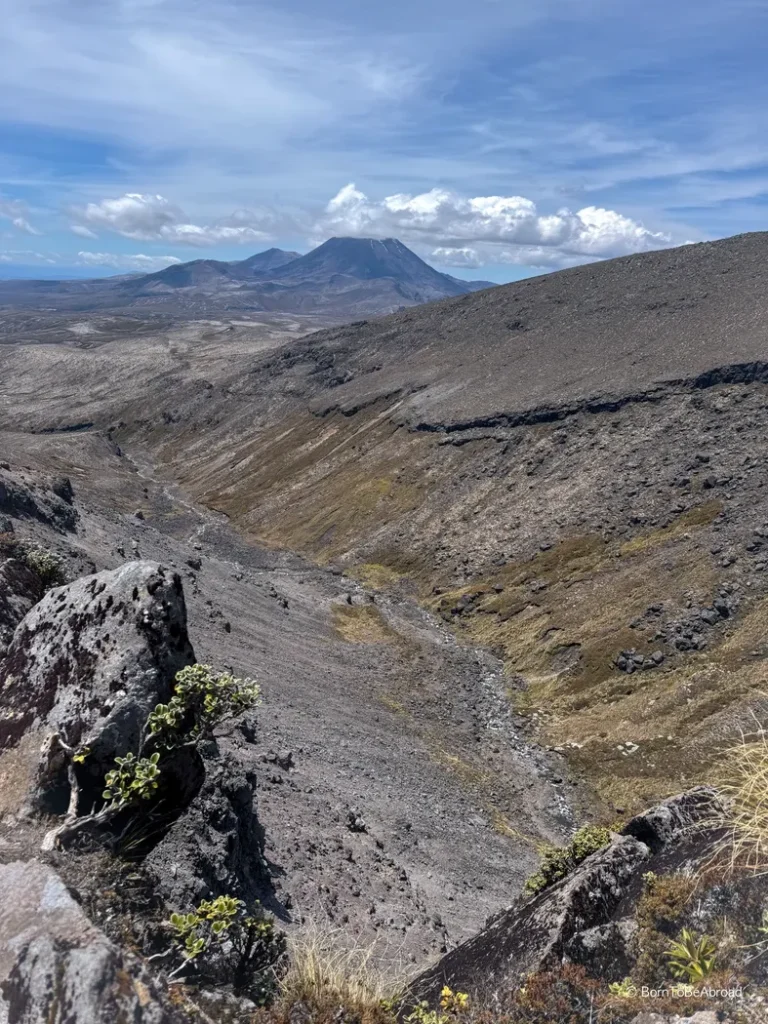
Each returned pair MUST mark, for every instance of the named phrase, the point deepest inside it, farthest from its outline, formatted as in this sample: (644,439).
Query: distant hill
(343,277)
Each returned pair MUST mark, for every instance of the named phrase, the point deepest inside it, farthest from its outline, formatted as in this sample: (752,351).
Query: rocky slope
(580,514)
(335,741)
(529,588)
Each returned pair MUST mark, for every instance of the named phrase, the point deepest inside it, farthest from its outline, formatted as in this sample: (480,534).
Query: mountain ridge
(342,277)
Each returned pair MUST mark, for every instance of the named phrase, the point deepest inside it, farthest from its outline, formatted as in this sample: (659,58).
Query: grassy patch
(695,518)
(362,624)
(374,574)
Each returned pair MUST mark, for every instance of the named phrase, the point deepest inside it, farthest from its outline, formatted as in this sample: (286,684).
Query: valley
(499,563)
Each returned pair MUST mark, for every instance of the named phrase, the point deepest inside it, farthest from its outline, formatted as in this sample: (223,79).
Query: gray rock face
(93,658)
(52,506)
(668,820)
(19,589)
(215,847)
(56,966)
(573,919)
(532,936)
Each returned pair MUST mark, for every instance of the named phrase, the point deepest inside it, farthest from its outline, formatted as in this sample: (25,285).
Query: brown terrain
(500,562)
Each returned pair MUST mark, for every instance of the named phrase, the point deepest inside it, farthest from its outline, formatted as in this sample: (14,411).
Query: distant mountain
(264,262)
(343,277)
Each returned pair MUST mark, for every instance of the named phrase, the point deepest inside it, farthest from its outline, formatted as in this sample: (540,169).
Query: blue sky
(497,138)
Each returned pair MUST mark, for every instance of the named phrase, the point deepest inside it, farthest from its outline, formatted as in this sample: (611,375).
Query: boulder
(573,919)
(88,663)
(533,934)
(57,966)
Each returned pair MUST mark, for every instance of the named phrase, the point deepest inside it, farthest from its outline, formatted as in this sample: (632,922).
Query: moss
(660,915)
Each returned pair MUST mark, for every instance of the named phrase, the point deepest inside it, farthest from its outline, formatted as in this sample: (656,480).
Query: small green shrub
(224,940)
(558,861)
(625,989)
(452,1005)
(43,563)
(690,958)
(133,780)
(202,699)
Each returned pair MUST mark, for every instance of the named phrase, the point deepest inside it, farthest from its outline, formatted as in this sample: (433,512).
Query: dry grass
(362,624)
(325,969)
(744,789)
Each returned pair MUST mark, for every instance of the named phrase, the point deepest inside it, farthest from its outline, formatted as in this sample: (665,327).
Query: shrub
(47,566)
(558,861)
(223,940)
(659,915)
(134,778)
(202,699)
(452,1006)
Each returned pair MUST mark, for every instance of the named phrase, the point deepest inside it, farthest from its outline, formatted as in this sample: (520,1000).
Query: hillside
(500,564)
(340,279)
(564,469)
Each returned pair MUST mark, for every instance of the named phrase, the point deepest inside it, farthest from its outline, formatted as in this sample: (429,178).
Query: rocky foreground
(86,900)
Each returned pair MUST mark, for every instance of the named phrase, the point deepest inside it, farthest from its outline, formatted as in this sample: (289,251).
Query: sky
(498,138)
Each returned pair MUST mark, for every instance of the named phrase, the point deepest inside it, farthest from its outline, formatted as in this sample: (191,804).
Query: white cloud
(466,230)
(15,211)
(122,261)
(448,257)
(27,256)
(149,218)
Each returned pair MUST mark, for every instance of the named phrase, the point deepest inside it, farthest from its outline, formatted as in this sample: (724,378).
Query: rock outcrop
(57,966)
(215,847)
(89,662)
(572,920)
(52,504)
(19,589)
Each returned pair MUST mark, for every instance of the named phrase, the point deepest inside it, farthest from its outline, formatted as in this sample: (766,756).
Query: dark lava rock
(19,589)
(571,917)
(57,966)
(23,502)
(216,847)
(62,488)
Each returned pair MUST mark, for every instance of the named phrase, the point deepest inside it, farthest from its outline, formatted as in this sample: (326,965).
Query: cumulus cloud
(122,261)
(472,231)
(150,218)
(448,257)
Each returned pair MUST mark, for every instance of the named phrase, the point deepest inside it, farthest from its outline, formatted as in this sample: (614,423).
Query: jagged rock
(19,589)
(90,661)
(573,918)
(605,949)
(532,935)
(62,488)
(670,819)
(22,502)
(57,966)
(215,847)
